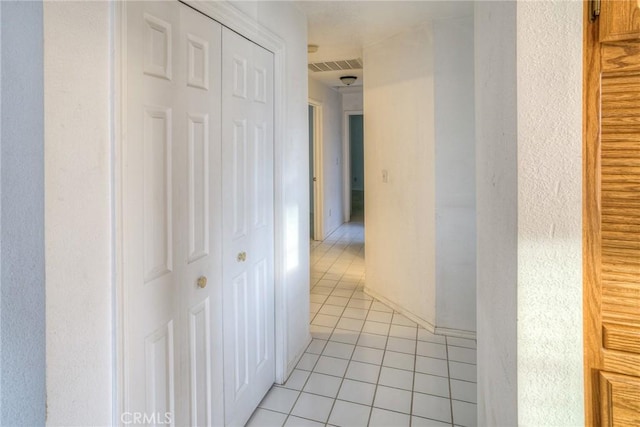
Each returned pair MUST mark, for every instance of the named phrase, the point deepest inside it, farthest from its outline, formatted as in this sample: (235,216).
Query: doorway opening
(353,181)
(356,151)
(316,195)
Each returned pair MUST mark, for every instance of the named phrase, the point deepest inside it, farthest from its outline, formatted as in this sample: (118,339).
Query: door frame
(318,166)
(232,18)
(346,155)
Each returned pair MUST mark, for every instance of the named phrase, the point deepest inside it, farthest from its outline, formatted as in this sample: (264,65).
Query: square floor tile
(346,293)
(431,366)
(339,350)
(430,349)
(297,379)
(314,307)
(327,283)
(349,414)
(372,340)
(464,390)
(313,407)
(399,319)
(368,355)
(317,298)
(404,361)
(316,346)
(384,418)
(307,361)
(350,324)
(401,345)
(321,290)
(434,407)
(462,371)
(461,354)
(378,306)
(377,328)
(393,399)
(325,320)
(357,391)
(355,313)
(331,310)
(380,316)
(363,372)
(279,399)
(320,332)
(301,422)
(345,336)
(464,414)
(400,331)
(340,301)
(331,366)
(265,418)
(325,385)
(359,303)
(431,384)
(424,335)
(397,378)
(425,422)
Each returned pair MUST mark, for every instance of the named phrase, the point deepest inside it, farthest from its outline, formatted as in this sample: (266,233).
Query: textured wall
(79,224)
(550,385)
(455,176)
(332,153)
(496,175)
(399,138)
(22,291)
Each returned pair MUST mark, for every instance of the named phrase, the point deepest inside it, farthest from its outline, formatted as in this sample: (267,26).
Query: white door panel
(247,154)
(198,319)
(172,216)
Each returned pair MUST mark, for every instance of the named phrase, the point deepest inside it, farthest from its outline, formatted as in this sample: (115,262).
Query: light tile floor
(367,364)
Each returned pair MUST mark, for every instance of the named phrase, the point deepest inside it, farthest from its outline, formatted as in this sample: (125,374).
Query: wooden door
(248,239)
(171,216)
(611,238)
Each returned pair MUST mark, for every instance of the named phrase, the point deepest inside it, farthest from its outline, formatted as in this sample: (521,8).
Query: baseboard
(458,333)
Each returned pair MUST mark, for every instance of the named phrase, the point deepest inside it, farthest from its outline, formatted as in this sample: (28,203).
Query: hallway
(369,365)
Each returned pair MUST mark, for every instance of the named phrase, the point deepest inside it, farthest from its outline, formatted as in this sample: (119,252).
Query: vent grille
(347,64)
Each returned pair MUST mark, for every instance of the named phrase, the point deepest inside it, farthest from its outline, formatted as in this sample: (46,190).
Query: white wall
(455,176)
(79,222)
(352,98)
(549,70)
(22,289)
(332,154)
(400,138)
(529,213)
(497,212)
(285,20)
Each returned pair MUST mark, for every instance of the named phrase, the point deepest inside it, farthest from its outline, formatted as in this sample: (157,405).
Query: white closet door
(248,278)
(172,217)
(202,223)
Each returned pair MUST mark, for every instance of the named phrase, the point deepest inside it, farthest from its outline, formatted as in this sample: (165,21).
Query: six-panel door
(174,181)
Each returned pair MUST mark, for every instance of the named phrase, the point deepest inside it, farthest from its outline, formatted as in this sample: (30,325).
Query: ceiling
(342,28)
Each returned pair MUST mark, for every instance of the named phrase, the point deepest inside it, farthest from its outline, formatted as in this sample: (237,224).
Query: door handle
(202,282)
(242,257)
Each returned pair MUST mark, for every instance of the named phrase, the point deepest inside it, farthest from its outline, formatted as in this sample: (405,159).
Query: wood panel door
(611,238)
(171,217)
(248,231)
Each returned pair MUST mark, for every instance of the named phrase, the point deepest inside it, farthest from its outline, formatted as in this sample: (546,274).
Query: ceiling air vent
(347,64)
